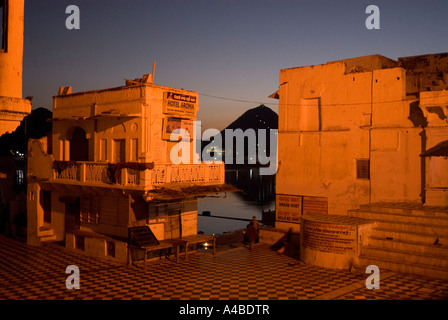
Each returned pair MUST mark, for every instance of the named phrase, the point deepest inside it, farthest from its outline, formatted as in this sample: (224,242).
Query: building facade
(113,164)
(13,108)
(355,131)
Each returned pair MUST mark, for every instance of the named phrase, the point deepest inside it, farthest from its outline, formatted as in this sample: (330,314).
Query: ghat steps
(408,238)
(46,234)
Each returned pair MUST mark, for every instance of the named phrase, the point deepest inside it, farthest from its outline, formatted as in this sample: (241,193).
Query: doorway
(79,145)
(119,150)
(173,224)
(72,213)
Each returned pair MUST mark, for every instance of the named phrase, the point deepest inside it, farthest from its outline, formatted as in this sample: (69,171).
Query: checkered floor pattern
(31,273)
(403,287)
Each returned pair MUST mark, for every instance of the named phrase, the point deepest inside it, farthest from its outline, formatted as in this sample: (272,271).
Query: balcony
(98,173)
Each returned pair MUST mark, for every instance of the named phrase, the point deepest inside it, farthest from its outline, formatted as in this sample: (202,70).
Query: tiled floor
(28,273)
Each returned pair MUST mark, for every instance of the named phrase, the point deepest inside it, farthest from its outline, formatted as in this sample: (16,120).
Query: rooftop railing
(104,173)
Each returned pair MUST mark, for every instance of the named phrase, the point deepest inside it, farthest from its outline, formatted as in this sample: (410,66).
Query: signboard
(315,205)
(288,208)
(326,237)
(180,105)
(171,129)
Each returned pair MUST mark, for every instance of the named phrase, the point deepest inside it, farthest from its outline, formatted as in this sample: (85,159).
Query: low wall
(273,236)
(97,246)
(333,241)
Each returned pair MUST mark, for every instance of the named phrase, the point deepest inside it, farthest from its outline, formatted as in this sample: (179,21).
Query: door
(72,212)
(119,150)
(79,146)
(46,197)
(173,226)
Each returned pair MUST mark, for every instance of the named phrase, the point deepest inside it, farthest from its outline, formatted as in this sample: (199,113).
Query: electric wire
(324,104)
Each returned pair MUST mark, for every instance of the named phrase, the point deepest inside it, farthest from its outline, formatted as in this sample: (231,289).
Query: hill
(33,126)
(260,117)
(247,143)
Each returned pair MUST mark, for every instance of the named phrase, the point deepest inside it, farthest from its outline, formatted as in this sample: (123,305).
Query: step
(421,237)
(402,267)
(412,247)
(398,226)
(399,256)
(401,217)
(45,232)
(47,238)
(406,208)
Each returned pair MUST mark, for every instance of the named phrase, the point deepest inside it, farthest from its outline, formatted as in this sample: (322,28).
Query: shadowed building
(13,158)
(12,107)
(112,167)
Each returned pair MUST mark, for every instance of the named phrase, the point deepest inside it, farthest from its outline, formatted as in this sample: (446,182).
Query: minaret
(13,108)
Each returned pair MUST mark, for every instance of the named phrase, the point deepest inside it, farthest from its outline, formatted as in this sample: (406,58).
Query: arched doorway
(79,145)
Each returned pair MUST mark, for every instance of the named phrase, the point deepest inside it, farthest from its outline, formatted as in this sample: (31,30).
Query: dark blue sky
(226,48)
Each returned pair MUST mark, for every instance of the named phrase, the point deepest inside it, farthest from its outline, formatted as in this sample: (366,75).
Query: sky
(229,51)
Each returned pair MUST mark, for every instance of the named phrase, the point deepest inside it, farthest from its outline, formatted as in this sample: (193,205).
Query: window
(134,149)
(103,150)
(153,211)
(64,146)
(3,24)
(362,169)
(20,177)
(90,210)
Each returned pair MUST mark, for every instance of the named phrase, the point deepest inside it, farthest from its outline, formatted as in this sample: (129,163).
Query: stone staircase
(46,234)
(408,238)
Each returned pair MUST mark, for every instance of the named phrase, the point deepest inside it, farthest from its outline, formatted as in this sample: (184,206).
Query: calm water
(258,195)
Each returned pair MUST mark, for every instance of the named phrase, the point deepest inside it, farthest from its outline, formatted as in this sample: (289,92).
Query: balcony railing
(98,173)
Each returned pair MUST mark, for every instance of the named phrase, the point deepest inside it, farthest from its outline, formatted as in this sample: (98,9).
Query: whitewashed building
(108,167)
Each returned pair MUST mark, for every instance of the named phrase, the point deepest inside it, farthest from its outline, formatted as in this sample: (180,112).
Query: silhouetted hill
(260,117)
(36,126)
(249,122)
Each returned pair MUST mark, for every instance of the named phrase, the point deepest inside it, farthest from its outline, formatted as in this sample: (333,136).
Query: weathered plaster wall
(331,115)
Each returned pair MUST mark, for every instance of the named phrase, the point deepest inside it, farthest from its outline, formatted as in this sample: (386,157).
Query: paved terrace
(235,273)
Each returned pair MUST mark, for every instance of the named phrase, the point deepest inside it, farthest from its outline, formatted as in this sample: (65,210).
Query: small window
(362,169)
(90,210)
(3,24)
(20,177)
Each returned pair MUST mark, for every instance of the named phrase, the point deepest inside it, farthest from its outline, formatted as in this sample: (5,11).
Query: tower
(13,108)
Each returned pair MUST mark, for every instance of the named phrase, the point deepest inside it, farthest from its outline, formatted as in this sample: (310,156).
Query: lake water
(258,195)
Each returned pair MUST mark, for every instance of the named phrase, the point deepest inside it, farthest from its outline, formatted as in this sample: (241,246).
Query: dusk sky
(230,51)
